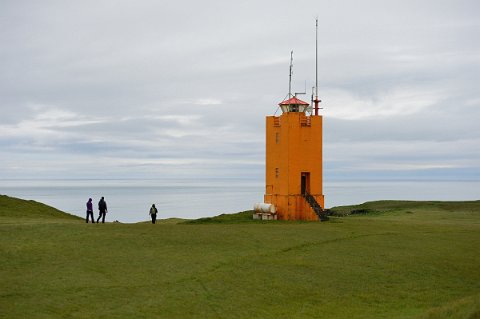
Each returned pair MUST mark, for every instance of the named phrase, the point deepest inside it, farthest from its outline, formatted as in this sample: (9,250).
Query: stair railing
(315,206)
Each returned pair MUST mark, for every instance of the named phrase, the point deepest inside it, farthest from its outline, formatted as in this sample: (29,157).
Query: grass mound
(408,207)
(13,209)
(241,217)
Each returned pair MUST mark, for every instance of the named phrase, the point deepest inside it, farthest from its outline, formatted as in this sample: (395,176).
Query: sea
(129,200)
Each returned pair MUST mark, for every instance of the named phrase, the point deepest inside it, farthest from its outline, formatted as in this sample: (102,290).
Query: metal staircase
(322,215)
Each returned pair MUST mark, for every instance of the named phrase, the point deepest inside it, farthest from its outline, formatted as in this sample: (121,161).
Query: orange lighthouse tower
(294,162)
(294,169)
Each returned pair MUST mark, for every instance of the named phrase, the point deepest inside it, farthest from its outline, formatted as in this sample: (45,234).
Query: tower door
(305,183)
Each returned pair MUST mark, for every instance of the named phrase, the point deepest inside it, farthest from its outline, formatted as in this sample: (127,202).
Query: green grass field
(389,259)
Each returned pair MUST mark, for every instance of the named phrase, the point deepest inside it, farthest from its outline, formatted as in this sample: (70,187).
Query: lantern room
(293,105)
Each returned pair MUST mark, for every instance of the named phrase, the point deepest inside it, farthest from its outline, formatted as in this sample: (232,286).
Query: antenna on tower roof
(316,57)
(290,76)
(316,100)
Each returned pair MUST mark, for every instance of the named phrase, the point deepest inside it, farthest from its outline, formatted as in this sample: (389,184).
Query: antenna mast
(316,101)
(290,76)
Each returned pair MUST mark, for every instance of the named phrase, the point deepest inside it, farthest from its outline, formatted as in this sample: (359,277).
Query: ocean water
(129,200)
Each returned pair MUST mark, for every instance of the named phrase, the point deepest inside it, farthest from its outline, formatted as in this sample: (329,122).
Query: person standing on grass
(153,213)
(90,210)
(102,208)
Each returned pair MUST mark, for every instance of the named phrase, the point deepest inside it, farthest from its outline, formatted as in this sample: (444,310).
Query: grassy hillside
(408,207)
(396,260)
(18,210)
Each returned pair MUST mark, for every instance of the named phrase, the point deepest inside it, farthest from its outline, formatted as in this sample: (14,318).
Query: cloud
(153,89)
(400,102)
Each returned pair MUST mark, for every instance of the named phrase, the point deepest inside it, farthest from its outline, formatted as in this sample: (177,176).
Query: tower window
(276,172)
(277,137)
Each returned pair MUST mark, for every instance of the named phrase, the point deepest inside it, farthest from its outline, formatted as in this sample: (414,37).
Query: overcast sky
(167,89)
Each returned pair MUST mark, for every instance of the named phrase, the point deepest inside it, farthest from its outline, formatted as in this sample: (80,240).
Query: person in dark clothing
(153,213)
(90,210)
(102,208)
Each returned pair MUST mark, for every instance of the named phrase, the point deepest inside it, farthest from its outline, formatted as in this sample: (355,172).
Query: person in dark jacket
(102,208)
(90,210)
(153,213)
